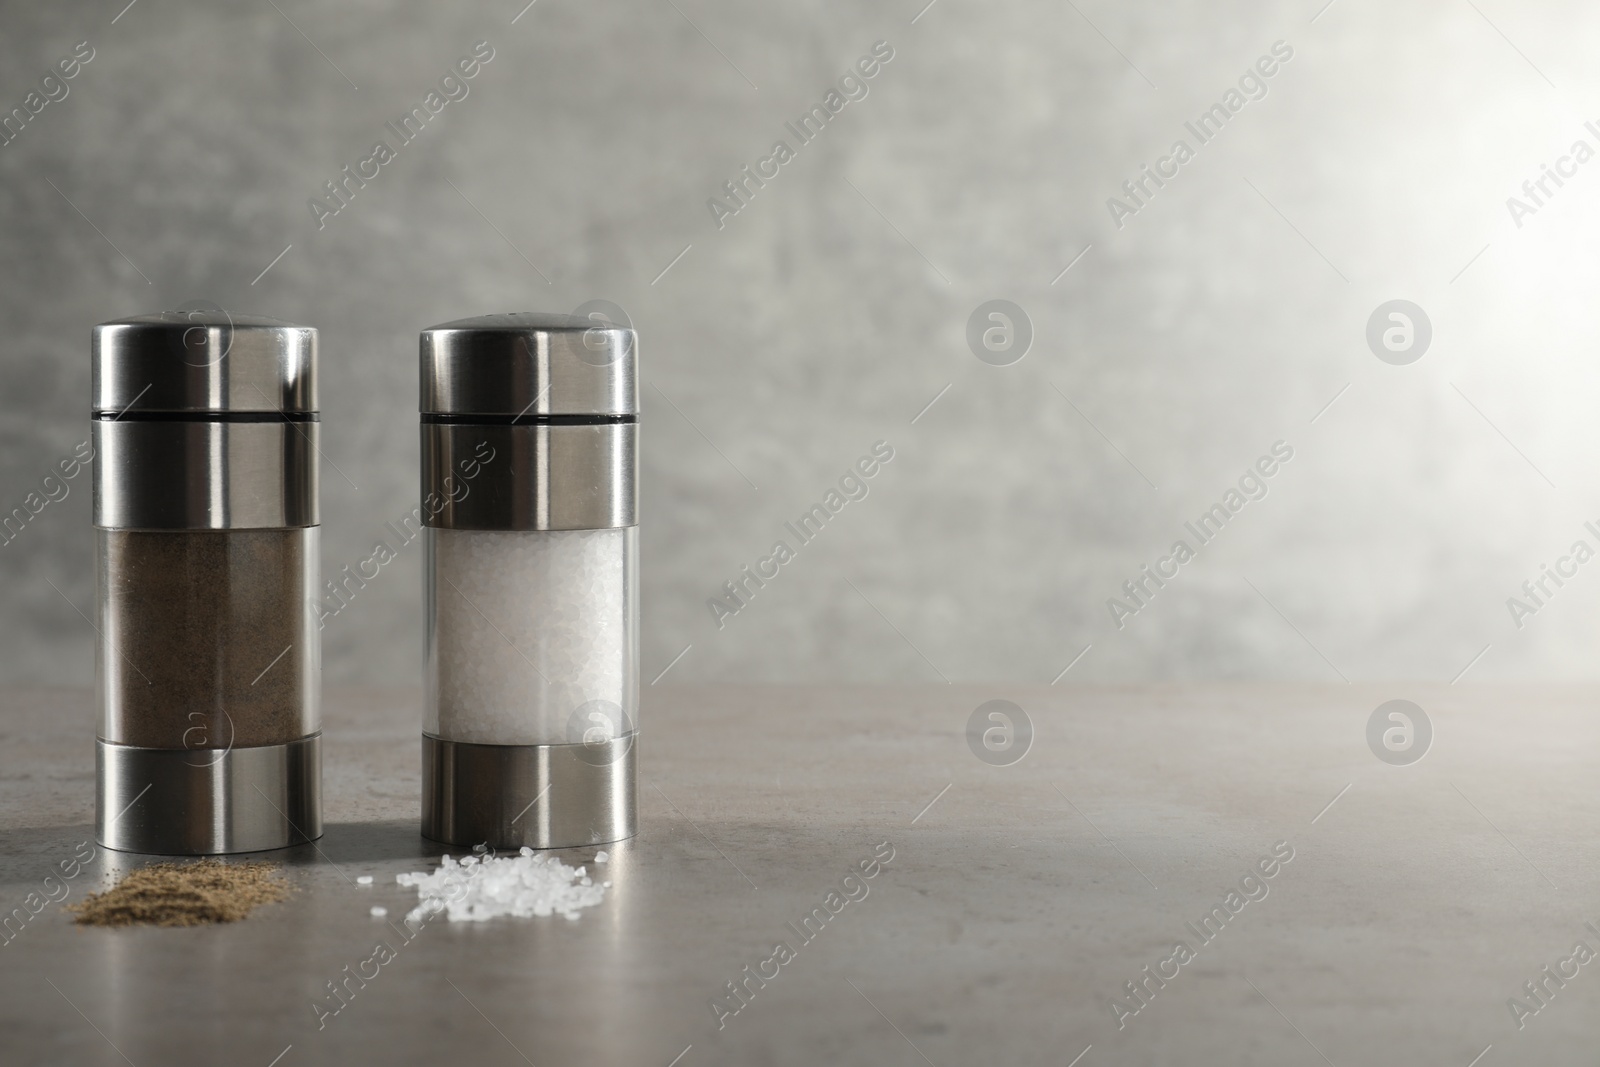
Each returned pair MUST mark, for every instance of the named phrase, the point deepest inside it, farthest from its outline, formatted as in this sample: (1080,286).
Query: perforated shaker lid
(530,367)
(204,361)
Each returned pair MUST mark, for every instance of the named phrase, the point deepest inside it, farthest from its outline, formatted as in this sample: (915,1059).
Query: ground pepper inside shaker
(225,661)
(208,662)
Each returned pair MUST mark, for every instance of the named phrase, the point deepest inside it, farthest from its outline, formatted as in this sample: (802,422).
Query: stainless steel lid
(205,360)
(529,365)
(204,420)
(530,422)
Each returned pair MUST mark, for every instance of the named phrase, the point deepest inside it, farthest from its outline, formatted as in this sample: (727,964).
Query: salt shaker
(530,508)
(208,662)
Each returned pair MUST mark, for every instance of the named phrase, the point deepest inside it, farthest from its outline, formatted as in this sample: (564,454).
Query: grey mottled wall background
(1223,316)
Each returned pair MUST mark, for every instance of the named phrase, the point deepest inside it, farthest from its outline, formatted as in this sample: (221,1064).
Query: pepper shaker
(208,660)
(530,509)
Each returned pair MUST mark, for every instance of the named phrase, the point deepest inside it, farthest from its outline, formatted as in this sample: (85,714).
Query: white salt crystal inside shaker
(527,628)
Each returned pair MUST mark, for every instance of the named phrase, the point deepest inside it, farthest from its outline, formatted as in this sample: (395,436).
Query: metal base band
(540,796)
(203,802)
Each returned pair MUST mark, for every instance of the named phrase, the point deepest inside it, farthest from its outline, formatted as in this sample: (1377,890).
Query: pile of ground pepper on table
(184,894)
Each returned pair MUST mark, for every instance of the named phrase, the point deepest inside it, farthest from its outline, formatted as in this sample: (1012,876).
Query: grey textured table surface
(1012,914)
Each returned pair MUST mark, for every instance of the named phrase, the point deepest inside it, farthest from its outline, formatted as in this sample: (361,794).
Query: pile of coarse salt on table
(527,884)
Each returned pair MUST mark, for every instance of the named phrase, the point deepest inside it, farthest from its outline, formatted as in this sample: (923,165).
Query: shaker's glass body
(532,636)
(206,637)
